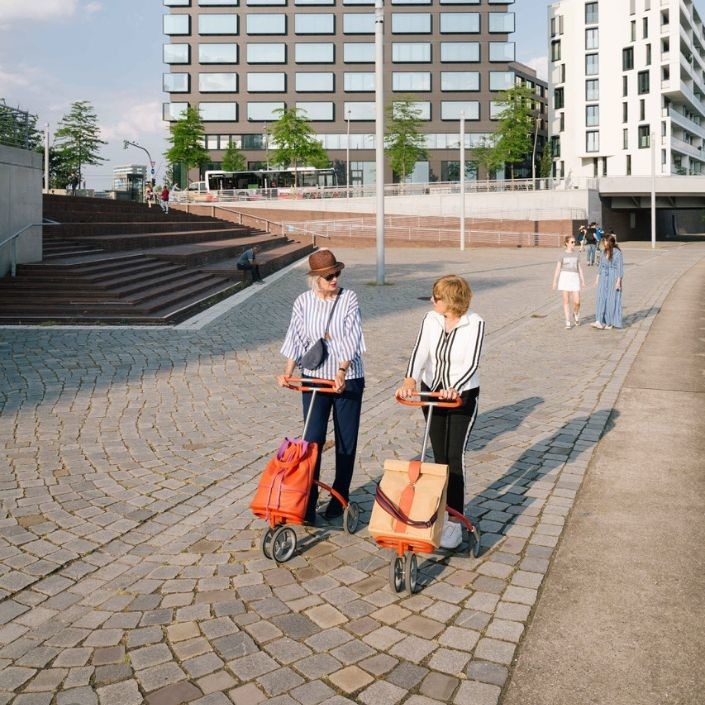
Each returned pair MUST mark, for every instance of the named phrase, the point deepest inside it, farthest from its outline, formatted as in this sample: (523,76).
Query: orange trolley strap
(406,501)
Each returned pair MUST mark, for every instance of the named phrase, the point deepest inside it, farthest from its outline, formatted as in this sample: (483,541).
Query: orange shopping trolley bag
(282,493)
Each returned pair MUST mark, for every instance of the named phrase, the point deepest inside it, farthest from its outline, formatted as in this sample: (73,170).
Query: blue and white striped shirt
(345,343)
(444,360)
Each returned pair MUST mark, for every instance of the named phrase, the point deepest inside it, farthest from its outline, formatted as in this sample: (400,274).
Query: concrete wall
(570,204)
(20,204)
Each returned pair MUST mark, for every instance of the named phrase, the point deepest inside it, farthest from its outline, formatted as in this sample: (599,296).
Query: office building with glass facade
(238,61)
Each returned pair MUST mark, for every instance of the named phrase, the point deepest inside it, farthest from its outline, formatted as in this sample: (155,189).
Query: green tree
(546,165)
(78,138)
(187,139)
(404,143)
(233,159)
(487,156)
(515,134)
(295,142)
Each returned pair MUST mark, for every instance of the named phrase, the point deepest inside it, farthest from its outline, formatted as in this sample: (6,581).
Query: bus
(270,183)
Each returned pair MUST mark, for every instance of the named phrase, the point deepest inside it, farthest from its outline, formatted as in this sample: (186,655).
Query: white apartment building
(624,74)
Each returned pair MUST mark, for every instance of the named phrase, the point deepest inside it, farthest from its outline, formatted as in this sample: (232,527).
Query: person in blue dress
(608,313)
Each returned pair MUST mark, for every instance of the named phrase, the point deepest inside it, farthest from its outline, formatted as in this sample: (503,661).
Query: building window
(411,52)
(561,122)
(592,141)
(217,53)
(314,2)
(627,59)
(592,89)
(263,112)
(645,28)
(360,111)
(556,50)
(209,3)
(422,108)
(592,38)
(642,81)
(459,52)
(217,24)
(452,109)
(501,22)
(625,86)
(176,83)
(625,112)
(644,137)
(218,112)
(501,80)
(592,115)
(591,13)
(461,80)
(266,24)
(266,54)
(217,82)
(632,31)
(648,55)
(460,22)
(314,53)
(359,82)
(176,54)
(555,146)
(642,109)
(625,138)
(256,3)
(592,64)
(360,23)
(502,51)
(314,82)
(316,111)
(411,23)
(176,24)
(266,82)
(558,99)
(629,165)
(411,81)
(177,3)
(359,53)
(314,23)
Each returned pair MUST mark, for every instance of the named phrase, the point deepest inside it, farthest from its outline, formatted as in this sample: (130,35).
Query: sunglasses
(331,276)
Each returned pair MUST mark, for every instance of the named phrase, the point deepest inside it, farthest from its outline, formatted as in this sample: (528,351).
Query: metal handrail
(13,239)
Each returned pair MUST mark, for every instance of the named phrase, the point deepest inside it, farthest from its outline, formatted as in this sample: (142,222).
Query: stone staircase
(113,262)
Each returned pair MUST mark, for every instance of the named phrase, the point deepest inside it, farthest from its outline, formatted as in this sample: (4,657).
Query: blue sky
(109,52)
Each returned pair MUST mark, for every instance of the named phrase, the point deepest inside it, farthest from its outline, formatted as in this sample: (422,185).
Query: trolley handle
(306,384)
(428,399)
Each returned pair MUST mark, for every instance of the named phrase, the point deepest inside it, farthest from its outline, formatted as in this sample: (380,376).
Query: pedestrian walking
(164,199)
(582,235)
(248,262)
(608,309)
(445,359)
(149,196)
(329,311)
(568,279)
(590,246)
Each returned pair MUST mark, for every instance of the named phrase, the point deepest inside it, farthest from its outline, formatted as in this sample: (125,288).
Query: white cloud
(36,9)
(135,120)
(92,8)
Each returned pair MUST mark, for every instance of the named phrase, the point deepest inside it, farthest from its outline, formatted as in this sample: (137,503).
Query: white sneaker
(567,325)
(452,535)
(597,324)
(577,319)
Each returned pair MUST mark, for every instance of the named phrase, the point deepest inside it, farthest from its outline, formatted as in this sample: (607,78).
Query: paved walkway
(130,568)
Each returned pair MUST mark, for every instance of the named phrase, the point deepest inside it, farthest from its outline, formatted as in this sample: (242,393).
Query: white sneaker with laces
(452,535)
(567,325)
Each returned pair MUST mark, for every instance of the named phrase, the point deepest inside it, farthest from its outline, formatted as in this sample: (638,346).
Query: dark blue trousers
(346,409)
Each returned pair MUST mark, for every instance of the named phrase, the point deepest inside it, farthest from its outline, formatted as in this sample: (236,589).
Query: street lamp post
(125,144)
(46,158)
(462,179)
(533,154)
(652,140)
(348,172)
(379,135)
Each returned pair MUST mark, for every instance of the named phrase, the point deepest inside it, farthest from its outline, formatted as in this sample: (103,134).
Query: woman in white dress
(568,279)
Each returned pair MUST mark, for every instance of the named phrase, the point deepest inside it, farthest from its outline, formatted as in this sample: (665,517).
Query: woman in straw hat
(327,301)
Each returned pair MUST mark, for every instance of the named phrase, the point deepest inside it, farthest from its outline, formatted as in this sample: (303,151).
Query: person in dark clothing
(248,262)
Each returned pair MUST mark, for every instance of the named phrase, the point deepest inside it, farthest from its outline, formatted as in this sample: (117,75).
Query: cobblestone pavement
(130,566)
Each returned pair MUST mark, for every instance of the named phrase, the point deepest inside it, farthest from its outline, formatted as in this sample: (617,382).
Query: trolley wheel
(411,573)
(474,541)
(351,517)
(266,542)
(283,544)
(396,573)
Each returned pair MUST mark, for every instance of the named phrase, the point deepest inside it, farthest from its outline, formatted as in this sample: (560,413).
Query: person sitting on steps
(247,262)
